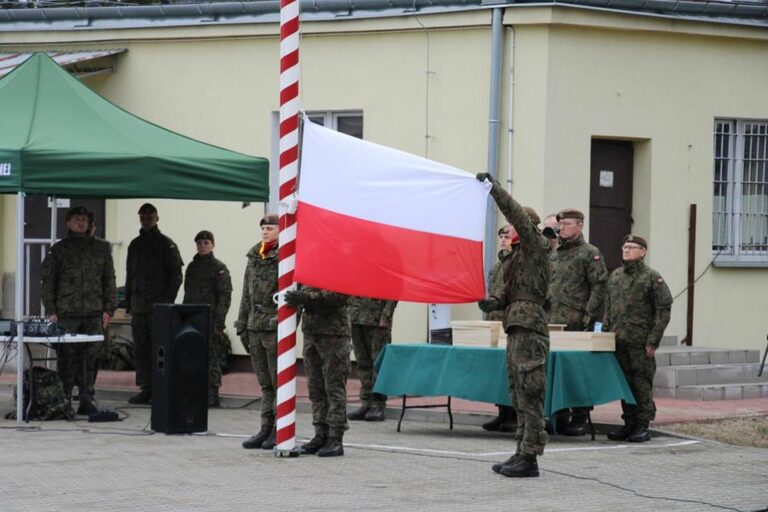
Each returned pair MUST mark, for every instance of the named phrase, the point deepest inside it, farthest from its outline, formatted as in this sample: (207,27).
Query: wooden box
(479,333)
(577,340)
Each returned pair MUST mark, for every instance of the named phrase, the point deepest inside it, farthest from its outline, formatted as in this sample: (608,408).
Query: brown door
(610,203)
(37,232)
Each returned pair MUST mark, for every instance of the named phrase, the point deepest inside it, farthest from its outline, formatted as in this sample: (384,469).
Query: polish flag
(376,222)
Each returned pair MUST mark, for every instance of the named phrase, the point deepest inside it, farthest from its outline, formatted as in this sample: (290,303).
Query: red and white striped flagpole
(289,159)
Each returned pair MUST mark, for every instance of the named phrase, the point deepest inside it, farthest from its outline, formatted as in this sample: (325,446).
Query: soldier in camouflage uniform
(153,276)
(257,325)
(326,328)
(371,321)
(78,292)
(637,310)
(506,420)
(207,281)
(576,293)
(524,295)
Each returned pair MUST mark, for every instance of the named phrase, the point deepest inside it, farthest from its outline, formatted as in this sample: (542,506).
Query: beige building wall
(422,84)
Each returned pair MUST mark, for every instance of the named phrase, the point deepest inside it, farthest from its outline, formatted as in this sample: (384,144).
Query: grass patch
(746,431)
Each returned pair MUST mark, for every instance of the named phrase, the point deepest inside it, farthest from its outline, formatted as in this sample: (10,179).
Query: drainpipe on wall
(494,113)
(511,99)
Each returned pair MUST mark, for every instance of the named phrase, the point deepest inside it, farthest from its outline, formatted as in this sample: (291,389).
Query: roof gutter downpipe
(494,114)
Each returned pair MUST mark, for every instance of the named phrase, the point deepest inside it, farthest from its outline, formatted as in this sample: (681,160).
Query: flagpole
(289,153)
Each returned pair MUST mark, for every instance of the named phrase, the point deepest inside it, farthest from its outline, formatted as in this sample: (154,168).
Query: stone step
(683,355)
(709,374)
(709,392)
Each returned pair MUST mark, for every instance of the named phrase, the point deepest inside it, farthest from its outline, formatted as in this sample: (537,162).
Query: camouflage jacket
(258,311)
(525,288)
(577,284)
(637,305)
(78,277)
(496,284)
(324,312)
(365,311)
(207,281)
(153,271)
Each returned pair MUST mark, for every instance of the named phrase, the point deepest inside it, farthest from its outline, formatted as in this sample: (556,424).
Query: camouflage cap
(636,240)
(569,213)
(147,208)
(78,210)
(270,218)
(532,214)
(205,235)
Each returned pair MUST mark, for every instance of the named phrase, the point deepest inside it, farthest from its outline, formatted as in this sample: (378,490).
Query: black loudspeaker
(180,337)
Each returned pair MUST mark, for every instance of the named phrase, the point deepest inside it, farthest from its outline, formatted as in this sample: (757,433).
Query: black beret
(634,239)
(270,218)
(205,235)
(147,208)
(78,210)
(569,213)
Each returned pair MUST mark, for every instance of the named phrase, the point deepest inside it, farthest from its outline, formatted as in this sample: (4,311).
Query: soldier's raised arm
(514,213)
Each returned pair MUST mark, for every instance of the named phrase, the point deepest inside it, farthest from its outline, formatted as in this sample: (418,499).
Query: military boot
(271,441)
(375,414)
(333,448)
(143,397)
(257,440)
(85,406)
(314,445)
(622,434)
(523,466)
(495,424)
(358,414)
(510,422)
(640,434)
(577,426)
(497,467)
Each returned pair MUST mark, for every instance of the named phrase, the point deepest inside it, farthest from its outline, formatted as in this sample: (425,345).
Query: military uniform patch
(597,257)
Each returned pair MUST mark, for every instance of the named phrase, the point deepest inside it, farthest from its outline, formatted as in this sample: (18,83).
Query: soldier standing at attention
(78,293)
(207,281)
(524,296)
(257,325)
(637,309)
(326,328)
(371,321)
(506,421)
(576,291)
(153,276)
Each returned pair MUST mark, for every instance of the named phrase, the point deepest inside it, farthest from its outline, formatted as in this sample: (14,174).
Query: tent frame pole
(19,307)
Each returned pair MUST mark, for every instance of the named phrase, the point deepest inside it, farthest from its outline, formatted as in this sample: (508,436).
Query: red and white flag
(377,222)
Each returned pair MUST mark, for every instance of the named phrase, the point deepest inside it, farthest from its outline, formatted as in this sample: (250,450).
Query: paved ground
(78,466)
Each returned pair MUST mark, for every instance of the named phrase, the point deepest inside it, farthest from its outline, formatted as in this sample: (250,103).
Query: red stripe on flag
(359,257)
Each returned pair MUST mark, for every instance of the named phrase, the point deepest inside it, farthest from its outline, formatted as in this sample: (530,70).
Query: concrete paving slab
(76,466)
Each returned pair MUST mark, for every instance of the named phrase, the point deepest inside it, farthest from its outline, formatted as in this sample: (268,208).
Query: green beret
(636,240)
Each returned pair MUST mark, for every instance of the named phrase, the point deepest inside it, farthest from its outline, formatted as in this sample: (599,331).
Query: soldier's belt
(257,308)
(528,297)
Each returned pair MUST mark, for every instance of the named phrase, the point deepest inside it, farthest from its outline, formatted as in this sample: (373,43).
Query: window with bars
(740,200)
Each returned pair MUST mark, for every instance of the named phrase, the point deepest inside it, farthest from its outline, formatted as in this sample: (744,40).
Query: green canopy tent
(58,137)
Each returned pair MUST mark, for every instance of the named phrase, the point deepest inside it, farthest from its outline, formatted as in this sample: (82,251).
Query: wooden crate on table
(578,340)
(478,333)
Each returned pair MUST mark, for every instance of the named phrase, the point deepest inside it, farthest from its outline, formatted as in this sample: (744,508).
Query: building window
(349,122)
(740,206)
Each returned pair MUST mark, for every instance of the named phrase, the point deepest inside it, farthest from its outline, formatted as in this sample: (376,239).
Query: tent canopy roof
(59,137)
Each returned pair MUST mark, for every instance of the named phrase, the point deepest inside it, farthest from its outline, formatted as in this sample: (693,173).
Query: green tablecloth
(574,379)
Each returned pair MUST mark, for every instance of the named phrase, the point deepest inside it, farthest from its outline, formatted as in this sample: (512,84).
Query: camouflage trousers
(326,364)
(526,358)
(367,342)
(141,330)
(214,360)
(639,370)
(76,362)
(263,349)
